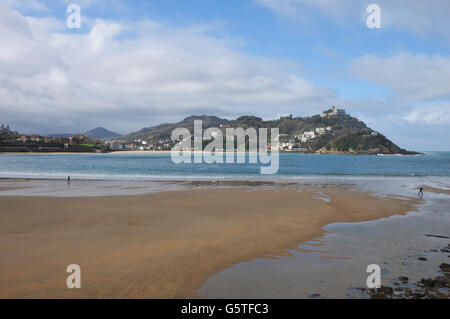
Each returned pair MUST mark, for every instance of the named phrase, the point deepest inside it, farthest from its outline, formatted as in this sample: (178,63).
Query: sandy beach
(163,245)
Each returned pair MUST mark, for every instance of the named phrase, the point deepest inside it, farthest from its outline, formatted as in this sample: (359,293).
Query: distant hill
(333,131)
(164,131)
(101,132)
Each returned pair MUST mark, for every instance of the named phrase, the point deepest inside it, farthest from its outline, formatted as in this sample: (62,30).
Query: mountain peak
(101,132)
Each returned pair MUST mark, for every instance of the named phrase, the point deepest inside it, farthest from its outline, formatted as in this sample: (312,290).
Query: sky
(135,64)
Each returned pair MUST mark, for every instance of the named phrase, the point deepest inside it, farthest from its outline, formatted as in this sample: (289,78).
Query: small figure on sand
(68,181)
(420,194)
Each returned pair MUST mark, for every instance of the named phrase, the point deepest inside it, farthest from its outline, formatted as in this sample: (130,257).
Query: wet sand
(162,245)
(436,190)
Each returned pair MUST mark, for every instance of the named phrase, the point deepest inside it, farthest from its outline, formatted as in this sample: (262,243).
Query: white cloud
(413,77)
(420,93)
(415,16)
(126,76)
(436,114)
(116,73)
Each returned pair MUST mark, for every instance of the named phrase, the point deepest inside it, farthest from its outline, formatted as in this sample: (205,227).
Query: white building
(306,136)
(320,130)
(115,145)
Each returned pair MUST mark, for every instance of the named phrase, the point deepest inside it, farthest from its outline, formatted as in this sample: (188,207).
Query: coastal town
(287,143)
(12,141)
(332,131)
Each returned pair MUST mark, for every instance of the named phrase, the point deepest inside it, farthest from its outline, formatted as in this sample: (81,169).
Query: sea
(160,166)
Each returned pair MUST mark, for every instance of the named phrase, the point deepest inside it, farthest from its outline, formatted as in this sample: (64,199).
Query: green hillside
(326,133)
(364,142)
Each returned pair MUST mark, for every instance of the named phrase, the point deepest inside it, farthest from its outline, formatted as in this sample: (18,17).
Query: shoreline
(193,152)
(73,153)
(231,177)
(163,245)
(97,187)
(57,187)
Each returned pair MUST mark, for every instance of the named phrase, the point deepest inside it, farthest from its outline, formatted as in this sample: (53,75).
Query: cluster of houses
(310,135)
(287,146)
(166,145)
(6,133)
(80,139)
(138,145)
(13,137)
(313,134)
(11,141)
(292,146)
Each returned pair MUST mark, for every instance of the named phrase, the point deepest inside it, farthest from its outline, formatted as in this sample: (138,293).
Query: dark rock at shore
(385,290)
(427,282)
(438,282)
(441,282)
(403,279)
(445,267)
(426,288)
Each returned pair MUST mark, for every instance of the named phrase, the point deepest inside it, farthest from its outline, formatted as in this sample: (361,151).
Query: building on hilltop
(4,129)
(7,134)
(333,112)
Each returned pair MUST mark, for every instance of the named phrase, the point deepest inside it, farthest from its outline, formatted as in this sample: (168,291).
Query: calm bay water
(160,165)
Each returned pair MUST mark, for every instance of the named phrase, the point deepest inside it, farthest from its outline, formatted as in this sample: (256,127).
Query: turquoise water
(159,165)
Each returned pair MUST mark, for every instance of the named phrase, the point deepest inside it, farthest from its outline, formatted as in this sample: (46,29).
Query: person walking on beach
(68,181)
(420,194)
